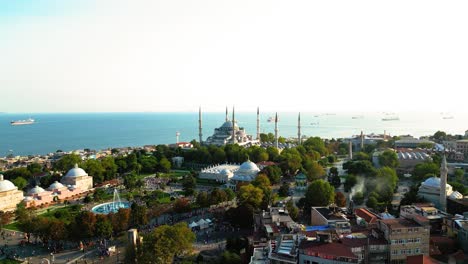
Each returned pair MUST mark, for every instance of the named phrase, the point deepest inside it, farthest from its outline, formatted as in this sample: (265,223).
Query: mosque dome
(35,190)
(6,185)
(432,182)
(76,172)
(456,195)
(227,124)
(55,186)
(225,172)
(248,167)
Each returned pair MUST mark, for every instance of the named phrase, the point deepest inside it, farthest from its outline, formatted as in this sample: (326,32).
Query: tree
(67,162)
(165,242)
(284,190)
(132,181)
(372,203)
(164,165)
(314,170)
(333,171)
(261,181)
(458,173)
(292,210)
(189,183)
(103,227)
(120,220)
(230,258)
(361,156)
(182,205)
(340,199)
(110,168)
(93,167)
(217,196)
(388,158)
(5,218)
(351,180)
(439,136)
(319,193)
(358,198)
(230,194)
(202,199)
(250,195)
(426,168)
(459,187)
(138,215)
(273,172)
(20,182)
(335,181)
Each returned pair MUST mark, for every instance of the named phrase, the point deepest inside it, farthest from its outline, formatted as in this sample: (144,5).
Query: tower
(362,141)
(350,150)
(258,123)
(234,141)
(227,114)
(299,129)
(200,135)
(177,134)
(276,130)
(443,184)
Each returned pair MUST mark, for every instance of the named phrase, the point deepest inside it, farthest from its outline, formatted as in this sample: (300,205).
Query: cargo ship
(28,121)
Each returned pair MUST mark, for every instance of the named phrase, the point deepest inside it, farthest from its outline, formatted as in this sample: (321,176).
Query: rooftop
(400,223)
(327,250)
(330,215)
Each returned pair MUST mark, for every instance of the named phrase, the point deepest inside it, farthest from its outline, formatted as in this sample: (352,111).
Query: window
(394,252)
(418,240)
(416,251)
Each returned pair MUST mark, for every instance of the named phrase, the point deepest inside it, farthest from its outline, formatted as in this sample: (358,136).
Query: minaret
(200,135)
(350,150)
(258,123)
(177,134)
(276,130)
(443,184)
(226,114)
(234,141)
(299,129)
(362,141)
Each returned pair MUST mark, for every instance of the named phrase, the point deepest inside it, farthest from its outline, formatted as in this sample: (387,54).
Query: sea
(74,131)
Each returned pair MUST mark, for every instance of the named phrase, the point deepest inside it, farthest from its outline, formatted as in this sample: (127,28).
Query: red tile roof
(369,217)
(420,259)
(324,250)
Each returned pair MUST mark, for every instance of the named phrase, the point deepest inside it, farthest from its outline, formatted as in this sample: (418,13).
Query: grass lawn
(9,261)
(12,226)
(66,213)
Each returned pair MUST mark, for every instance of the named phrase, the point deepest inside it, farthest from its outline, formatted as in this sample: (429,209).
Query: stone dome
(55,186)
(434,182)
(456,195)
(225,172)
(76,172)
(35,190)
(248,166)
(6,185)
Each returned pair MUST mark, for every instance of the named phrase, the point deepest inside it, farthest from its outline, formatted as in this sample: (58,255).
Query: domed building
(245,174)
(220,173)
(10,196)
(229,132)
(78,178)
(430,190)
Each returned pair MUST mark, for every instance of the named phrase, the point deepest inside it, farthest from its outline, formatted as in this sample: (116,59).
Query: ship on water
(28,121)
(391,118)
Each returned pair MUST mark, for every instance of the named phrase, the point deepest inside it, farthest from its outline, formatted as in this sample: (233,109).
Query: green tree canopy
(67,162)
(388,158)
(319,193)
(250,195)
(166,242)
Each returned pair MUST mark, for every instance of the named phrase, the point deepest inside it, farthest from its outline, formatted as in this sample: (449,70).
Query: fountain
(111,207)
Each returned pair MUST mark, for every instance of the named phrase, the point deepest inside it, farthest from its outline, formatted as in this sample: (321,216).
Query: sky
(174,56)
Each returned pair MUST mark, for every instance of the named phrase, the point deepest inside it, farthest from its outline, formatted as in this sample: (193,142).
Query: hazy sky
(80,56)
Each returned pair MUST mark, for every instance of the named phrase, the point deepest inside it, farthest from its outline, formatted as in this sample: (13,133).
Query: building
(229,133)
(462,146)
(325,252)
(406,237)
(409,158)
(37,196)
(430,190)
(10,196)
(365,218)
(284,250)
(435,218)
(78,179)
(245,174)
(259,256)
(369,247)
(330,216)
(411,142)
(358,142)
(274,222)
(220,173)
(301,182)
(461,230)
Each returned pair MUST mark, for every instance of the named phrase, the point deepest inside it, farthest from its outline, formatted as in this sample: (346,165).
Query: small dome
(6,185)
(432,182)
(225,172)
(249,166)
(35,190)
(55,186)
(456,195)
(76,172)
(227,124)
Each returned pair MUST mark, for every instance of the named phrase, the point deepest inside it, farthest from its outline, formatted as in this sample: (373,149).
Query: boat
(28,121)
(391,118)
(357,117)
(271,119)
(314,124)
(447,117)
